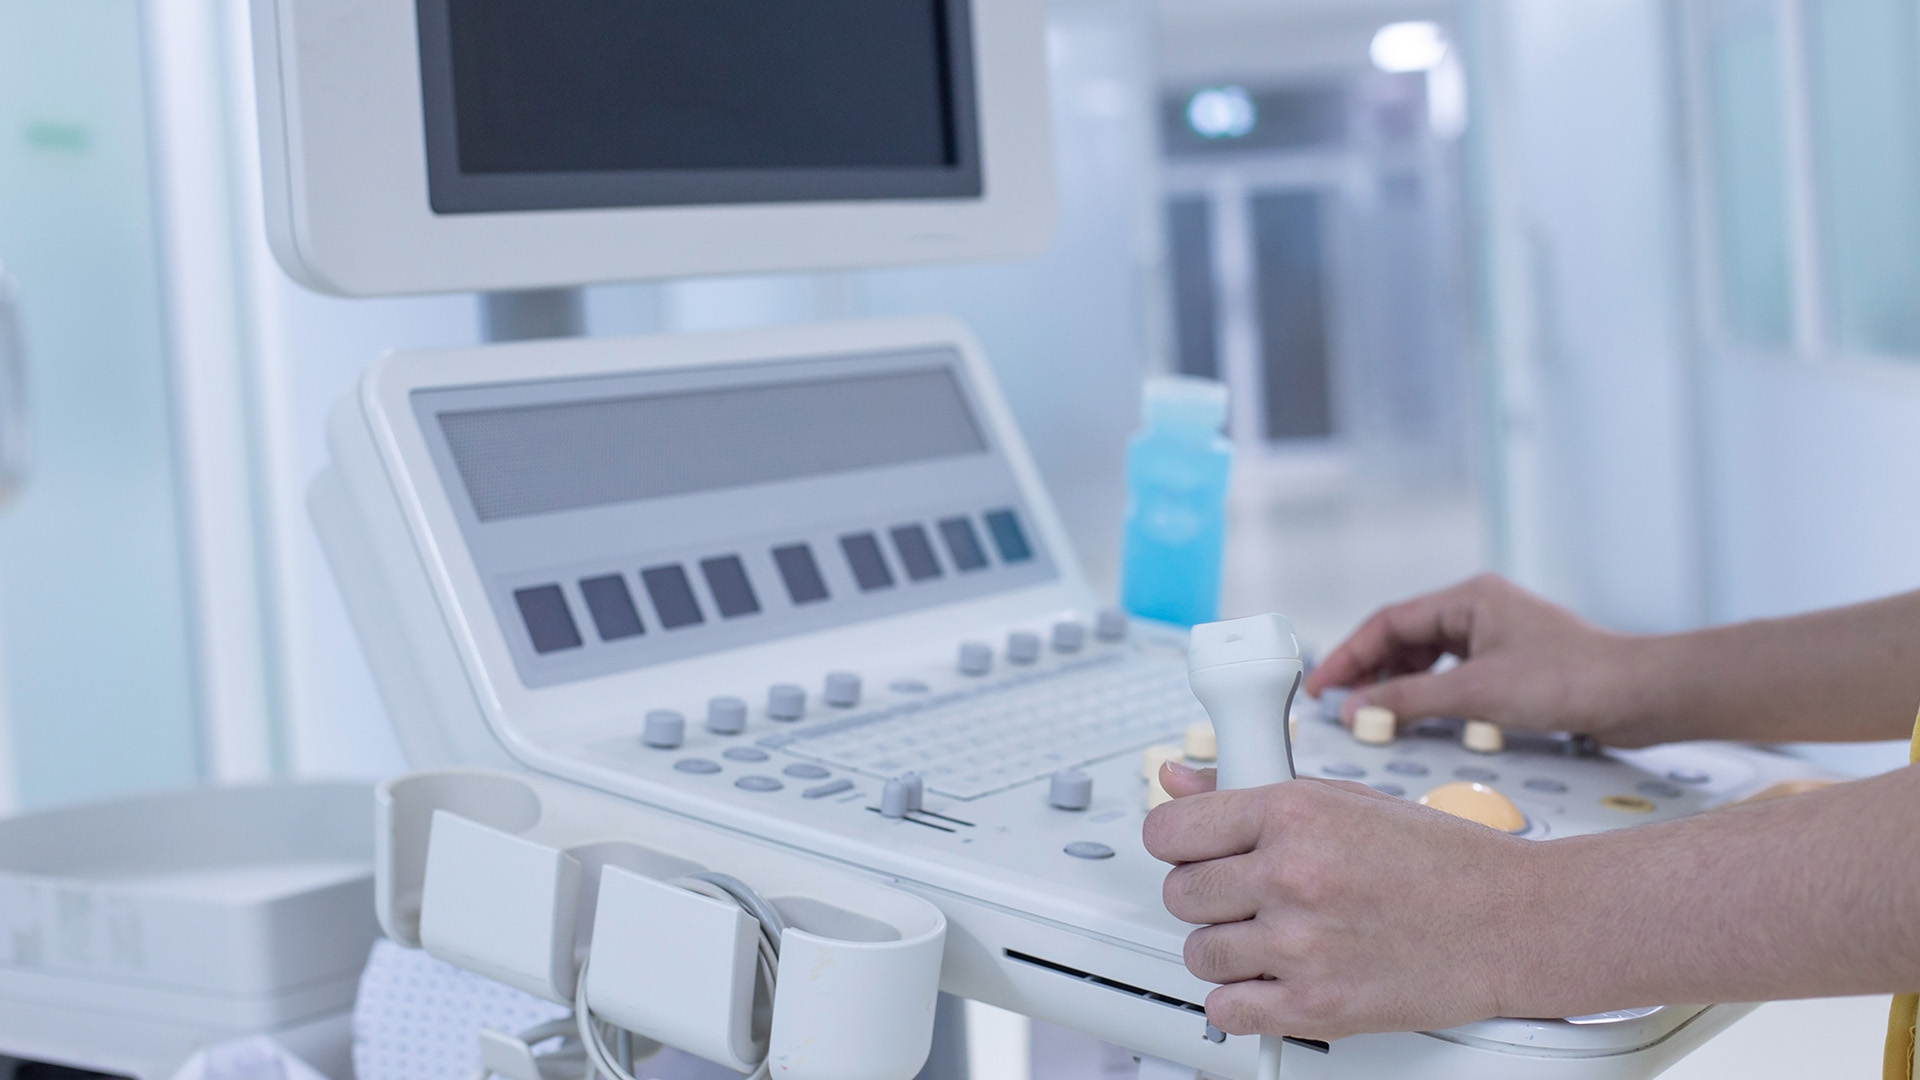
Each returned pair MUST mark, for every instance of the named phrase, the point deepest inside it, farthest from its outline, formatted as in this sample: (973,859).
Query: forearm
(1814,895)
(1850,673)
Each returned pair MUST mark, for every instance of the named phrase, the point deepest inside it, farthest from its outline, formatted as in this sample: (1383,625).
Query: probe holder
(520,878)
(678,967)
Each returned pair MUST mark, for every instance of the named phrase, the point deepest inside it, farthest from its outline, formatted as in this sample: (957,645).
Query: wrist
(1640,692)
(1552,967)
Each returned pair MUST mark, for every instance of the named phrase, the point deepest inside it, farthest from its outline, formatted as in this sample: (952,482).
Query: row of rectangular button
(551,626)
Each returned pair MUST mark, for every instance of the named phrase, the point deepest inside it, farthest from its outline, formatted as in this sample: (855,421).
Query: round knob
(1068,637)
(1156,794)
(726,716)
(843,689)
(976,658)
(896,798)
(785,701)
(1482,737)
(1110,625)
(1374,725)
(1199,743)
(664,730)
(1155,756)
(1022,647)
(1476,802)
(1070,789)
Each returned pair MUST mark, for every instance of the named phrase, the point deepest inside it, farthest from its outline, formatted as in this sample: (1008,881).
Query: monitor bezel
(346,195)
(452,190)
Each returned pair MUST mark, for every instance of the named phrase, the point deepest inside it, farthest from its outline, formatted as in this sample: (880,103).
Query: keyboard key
(974,742)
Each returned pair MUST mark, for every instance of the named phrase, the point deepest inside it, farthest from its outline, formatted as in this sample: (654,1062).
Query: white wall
(1594,416)
(1814,482)
(1650,481)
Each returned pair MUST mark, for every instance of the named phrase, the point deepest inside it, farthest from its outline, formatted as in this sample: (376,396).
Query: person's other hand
(1524,663)
(1337,910)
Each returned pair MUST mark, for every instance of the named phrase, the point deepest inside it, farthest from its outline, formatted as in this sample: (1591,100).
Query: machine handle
(13,393)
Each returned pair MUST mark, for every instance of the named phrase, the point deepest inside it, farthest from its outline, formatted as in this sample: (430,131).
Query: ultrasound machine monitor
(446,145)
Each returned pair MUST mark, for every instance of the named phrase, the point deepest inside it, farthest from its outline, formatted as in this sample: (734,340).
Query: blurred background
(1618,297)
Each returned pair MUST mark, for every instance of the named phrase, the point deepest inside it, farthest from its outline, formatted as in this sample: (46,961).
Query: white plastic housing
(1245,673)
(501,906)
(855,1002)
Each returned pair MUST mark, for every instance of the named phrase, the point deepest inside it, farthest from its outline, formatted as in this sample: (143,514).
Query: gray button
(1069,637)
(1476,774)
(1215,1035)
(1022,647)
(1407,768)
(1070,789)
(1087,849)
(843,689)
(1344,769)
(698,766)
(908,686)
(786,701)
(896,798)
(1394,790)
(1585,746)
(1110,625)
(831,787)
(1688,776)
(916,790)
(1544,784)
(726,716)
(976,658)
(1658,789)
(744,753)
(665,729)
(758,783)
(1330,701)
(806,770)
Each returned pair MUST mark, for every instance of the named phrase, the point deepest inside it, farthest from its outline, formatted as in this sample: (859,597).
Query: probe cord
(600,1058)
(1269,1058)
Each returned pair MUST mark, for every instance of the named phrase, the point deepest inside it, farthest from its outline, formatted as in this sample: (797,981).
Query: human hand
(1524,663)
(1338,910)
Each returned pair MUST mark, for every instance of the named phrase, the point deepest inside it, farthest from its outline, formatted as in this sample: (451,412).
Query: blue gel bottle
(1177,467)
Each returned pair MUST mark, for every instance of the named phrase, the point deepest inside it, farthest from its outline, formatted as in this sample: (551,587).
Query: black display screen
(657,102)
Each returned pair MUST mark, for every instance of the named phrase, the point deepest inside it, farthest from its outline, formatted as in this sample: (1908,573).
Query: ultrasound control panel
(629,520)
(804,586)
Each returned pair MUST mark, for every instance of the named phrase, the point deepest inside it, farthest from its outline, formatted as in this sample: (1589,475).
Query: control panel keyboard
(976,741)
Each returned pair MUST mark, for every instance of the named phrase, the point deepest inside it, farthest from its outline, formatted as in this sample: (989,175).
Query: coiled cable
(593,1031)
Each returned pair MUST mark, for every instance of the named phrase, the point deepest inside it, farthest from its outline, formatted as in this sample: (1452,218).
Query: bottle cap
(1184,400)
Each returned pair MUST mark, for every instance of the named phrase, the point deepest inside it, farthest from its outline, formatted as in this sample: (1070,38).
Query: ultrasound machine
(755,694)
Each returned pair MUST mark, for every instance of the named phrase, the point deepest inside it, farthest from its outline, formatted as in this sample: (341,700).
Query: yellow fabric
(1906,1007)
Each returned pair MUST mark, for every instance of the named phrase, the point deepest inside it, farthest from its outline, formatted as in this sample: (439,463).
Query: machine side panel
(392,606)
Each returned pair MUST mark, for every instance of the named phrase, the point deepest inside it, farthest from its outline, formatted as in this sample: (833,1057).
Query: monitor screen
(612,103)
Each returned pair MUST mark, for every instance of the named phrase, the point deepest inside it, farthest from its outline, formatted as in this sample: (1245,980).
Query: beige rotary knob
(1482,737)
(1156,794)
(1374,725)
(1154,756)
(1476,802)
(1200,743)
